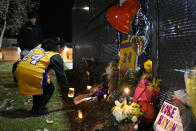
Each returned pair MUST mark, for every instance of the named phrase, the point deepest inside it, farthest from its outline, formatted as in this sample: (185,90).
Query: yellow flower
(155,84)
(148,65)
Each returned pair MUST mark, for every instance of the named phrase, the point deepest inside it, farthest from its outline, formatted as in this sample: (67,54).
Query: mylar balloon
(139,30)
(120,17)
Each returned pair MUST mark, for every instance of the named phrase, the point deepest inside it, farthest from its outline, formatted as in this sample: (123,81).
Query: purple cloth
(100,92)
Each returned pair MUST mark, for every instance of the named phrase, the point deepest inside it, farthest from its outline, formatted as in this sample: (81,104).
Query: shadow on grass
(11,85)
(21,113)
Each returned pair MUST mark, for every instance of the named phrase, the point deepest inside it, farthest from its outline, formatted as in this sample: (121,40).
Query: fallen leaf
(9,94)
(9,108)
(5,89)
(49,121)
(98,126)
(46,129)
(10,101)
(27,102)
(4,103)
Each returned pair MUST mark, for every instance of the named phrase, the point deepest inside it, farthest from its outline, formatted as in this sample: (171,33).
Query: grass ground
(14,107)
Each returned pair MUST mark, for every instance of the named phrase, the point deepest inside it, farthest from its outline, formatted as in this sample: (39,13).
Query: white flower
(134,119)
(117,103)
(117,112)
(122,110)
(136,126)
(127,109)
(137,68)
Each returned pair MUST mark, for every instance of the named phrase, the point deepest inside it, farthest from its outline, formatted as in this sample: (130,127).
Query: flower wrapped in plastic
(142,92)
(190,82)
(181,100)
(146,90)
(123,111)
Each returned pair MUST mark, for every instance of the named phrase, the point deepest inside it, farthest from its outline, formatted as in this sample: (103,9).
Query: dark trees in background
(13,14)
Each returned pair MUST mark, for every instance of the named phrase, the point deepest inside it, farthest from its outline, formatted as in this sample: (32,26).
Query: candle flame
(126,90)
(89,87)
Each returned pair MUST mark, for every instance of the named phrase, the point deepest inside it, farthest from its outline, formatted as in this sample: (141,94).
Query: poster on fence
(127,55)
(168,119)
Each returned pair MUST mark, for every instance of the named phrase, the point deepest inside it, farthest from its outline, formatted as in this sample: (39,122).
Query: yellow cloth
(32,71)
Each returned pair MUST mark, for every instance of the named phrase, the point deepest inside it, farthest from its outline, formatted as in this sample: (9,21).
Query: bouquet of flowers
(147,89)
(190,82)
(123,111)
(155,84)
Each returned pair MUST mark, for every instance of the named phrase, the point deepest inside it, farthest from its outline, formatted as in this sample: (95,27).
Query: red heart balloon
(120,17)
(132,3)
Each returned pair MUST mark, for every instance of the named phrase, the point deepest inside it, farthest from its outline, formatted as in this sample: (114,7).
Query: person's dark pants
(40,101)
(14,69)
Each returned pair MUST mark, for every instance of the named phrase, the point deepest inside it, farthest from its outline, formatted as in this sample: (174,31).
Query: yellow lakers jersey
(32,71)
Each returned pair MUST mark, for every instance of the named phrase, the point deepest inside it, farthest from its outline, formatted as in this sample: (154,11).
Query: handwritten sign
(168,119)
(127,55)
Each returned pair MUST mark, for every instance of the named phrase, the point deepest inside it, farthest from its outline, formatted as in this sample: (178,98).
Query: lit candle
(80,114)
(126,90)
(105,96)
(71,93)
(89,87)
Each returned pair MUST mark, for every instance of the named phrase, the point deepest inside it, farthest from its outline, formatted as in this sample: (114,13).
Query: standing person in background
(32,73)
(30,34)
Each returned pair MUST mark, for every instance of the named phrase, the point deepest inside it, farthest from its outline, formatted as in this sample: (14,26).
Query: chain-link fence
(93,36)
(173,41)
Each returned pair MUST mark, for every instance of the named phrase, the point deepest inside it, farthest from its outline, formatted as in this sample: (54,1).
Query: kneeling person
(32,73)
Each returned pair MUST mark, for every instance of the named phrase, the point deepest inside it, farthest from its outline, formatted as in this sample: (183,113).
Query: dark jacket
(58,65)
(29,36)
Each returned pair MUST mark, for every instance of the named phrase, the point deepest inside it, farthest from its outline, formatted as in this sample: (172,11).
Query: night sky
(55,18)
